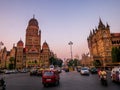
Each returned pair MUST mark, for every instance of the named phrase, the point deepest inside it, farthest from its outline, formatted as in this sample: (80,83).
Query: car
(78,68)
(84,71)
(50,77)
(1,71)
(115,74)
(39,72)
(33,72)
(93,70)
(58,69)
(52,67)
(7,72)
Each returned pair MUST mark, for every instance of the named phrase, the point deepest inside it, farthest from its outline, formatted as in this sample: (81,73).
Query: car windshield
(48,73)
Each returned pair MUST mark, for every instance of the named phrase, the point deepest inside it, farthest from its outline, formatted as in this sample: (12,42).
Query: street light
(71,43)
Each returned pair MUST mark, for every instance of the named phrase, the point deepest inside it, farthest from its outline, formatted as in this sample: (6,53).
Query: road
(68,81)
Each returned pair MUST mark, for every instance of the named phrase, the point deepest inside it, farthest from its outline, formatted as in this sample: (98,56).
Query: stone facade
(100,43)
(19,54)
(85,60)
(33,43)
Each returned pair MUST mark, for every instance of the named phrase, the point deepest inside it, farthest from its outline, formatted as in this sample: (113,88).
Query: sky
(60,22)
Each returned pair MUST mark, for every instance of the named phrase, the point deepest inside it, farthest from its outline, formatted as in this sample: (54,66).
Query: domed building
(35,56)
(29,54)
(45,55)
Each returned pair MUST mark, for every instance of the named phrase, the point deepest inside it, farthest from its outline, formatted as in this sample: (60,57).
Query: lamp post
(71,43)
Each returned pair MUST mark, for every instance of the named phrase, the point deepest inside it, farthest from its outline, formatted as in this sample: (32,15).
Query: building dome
(33,22)
(20,43)
(45,45)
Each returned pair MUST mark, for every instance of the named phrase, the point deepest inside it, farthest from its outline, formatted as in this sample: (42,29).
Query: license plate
(48,79)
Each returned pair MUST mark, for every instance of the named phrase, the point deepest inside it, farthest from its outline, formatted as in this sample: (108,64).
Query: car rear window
(84,69)
(48,73)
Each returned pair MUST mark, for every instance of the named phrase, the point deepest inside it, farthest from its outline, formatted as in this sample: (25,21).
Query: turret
(101,25)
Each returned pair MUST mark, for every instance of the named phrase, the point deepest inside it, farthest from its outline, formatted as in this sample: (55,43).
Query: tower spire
(100,21)
(101,25)
(33,15)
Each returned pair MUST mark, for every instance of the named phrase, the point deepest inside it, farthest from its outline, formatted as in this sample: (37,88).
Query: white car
(115,74)
(84,71)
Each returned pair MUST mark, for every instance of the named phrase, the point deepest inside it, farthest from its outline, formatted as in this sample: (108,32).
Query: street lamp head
(70,43)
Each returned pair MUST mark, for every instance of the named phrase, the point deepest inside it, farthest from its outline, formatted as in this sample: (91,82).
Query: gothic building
(29,54)
(100,43)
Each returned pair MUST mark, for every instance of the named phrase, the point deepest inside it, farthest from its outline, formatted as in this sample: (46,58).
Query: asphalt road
(68,81)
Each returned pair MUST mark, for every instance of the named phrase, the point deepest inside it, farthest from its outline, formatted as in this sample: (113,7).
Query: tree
(76,62)
(55,61)
(71,63)
(59,62)
(97,63)
(115,54)
(12,63)
(52,61)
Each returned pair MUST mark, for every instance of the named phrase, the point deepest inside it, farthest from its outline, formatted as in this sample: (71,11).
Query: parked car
(115,74)
(78,68)
(1,71)
(50,77)
(7,71)
(84,71)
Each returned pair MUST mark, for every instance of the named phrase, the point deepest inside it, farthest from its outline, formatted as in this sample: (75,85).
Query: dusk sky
(60,21)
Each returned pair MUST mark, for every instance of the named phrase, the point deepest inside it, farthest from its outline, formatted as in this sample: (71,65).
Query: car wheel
(112,79)
(45,85)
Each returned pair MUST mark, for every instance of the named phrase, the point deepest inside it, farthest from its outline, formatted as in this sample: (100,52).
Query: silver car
(84,71)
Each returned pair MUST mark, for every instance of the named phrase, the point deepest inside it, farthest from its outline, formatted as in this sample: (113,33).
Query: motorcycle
(2,84)
(103,79)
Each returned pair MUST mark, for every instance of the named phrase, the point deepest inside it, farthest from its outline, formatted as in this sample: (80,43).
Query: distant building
(100,43)
(3,57)
(85,60)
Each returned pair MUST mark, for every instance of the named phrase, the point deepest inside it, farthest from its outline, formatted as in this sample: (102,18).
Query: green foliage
(97,63)
(74,62)
(12,63)
(71,63)
(11,66)
(115,54)
(55,61)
